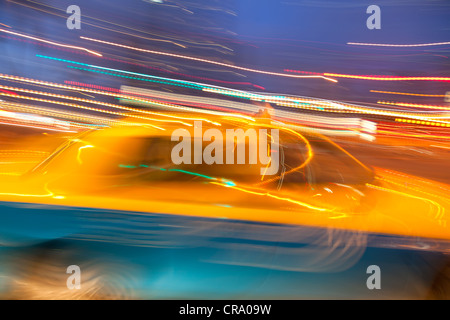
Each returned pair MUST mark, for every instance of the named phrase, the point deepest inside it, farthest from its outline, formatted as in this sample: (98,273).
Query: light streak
(50,42)
(56,85)
(57,113)
(79,152)
(173,39)
(411,94)
(92,86)
(49,194)
(402,184)
(409,135)
(35,127)
(303,204)
(280,100)
(15,162)
(134,78)
(398,45)
(183,74)
(121,107)
(22,152)
(82,107)
(373,77)
(428,123)
(185,83)
(414,105)
(27,195)
(193,173)
(206,61)
(93,102)
(346,108)
(227,114)
(386,78)
(440,209)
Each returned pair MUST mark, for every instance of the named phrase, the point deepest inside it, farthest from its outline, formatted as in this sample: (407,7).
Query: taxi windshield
(149,159)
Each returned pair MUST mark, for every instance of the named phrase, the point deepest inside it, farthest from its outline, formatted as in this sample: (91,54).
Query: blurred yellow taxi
(121,186)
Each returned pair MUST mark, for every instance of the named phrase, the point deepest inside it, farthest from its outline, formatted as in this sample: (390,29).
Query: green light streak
(193,173)
(187,83)
(134,78)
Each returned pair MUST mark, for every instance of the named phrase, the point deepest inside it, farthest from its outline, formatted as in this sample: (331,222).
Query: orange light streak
(51,42)
(398,45)
(207,61)
(411,94)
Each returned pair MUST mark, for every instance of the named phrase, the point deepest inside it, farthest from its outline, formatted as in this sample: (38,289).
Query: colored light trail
(55,85)
(50,42)
(386,78)
(83,107)
(398,45)
(414,105)
(208,61)
(313,104)
(410,94)
(373,77)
